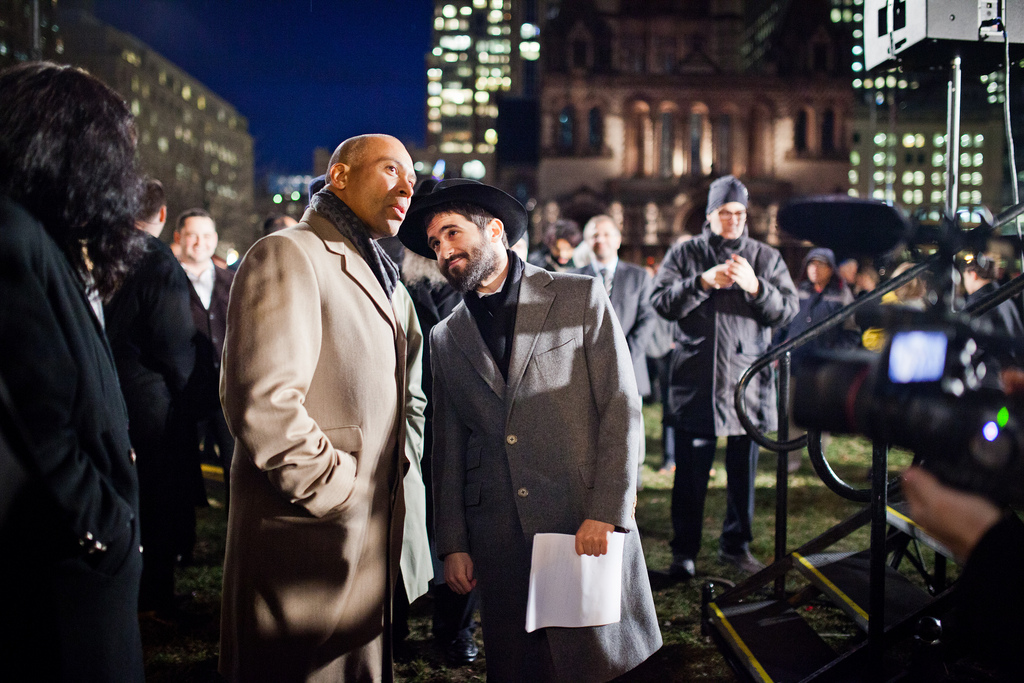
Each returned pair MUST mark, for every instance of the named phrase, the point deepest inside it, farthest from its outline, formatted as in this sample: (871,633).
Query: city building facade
(643,104)
(194,142)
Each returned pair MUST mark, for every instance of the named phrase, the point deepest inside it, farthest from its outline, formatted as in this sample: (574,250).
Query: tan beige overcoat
(313,388)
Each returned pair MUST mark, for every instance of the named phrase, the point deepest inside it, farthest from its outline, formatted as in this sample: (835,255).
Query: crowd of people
(393,415)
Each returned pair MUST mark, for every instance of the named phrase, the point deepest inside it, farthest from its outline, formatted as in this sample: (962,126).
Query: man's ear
(163,214)
(337,175)
(494,230)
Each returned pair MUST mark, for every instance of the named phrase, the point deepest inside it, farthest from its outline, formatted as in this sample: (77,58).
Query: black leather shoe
(461,651)
(743,561)
(682,568)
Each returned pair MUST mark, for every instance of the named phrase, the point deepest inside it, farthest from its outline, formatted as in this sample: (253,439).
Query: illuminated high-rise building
(898,127)
(484,52)
(29,29)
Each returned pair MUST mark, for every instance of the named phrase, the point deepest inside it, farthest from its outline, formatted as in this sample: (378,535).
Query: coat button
(511,439)
(523,493)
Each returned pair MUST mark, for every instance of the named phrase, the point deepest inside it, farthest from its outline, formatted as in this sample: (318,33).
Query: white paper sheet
(573,590)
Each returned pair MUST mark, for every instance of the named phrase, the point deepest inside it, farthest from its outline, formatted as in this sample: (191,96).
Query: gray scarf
(328,205)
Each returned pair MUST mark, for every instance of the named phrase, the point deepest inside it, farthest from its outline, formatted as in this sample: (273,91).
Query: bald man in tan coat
(313,388)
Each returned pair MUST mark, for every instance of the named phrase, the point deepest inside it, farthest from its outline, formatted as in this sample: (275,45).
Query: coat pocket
(554,366)
(348,442)
(471,494)
(349,439)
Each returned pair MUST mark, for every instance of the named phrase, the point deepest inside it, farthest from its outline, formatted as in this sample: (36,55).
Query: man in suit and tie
(628,287)
(208,295)
(536,429)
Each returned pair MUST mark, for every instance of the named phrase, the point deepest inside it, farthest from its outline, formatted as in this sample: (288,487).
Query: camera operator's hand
(716,277)
(742,273)
(956,518)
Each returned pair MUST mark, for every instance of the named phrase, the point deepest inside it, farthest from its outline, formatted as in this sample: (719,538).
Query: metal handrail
(834,320)
(821,466)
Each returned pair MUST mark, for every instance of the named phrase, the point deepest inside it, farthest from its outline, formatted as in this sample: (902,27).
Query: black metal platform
(771,640)
(845,579)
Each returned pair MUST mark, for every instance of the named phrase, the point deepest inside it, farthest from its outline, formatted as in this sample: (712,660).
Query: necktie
(606,277)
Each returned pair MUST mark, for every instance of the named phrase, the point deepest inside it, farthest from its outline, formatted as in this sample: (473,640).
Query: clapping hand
(737,270)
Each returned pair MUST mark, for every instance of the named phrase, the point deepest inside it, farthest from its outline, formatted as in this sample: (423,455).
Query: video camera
(932,390)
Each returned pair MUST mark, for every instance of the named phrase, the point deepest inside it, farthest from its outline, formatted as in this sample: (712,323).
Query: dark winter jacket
(816,306)
(720,333)
(1005,321)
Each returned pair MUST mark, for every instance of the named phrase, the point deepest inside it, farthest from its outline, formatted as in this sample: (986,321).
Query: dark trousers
(694,455)
(453,613)
(212,431)
(660,371)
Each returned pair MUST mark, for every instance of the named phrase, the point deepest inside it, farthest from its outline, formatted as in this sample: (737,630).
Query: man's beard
(480,262)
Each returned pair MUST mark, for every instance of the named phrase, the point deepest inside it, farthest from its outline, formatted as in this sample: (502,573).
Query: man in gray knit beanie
(724,291)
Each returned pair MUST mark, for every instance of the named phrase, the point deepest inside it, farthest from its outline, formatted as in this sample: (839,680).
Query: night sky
(306,73)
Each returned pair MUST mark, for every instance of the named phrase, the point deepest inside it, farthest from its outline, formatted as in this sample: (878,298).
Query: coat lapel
(352,263)
(466,335)
(534,303)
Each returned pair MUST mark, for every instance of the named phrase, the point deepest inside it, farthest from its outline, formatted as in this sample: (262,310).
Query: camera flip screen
(917,356)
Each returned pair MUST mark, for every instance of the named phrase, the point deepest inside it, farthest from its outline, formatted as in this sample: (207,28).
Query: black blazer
(210,327)
(631,301)
(70,557)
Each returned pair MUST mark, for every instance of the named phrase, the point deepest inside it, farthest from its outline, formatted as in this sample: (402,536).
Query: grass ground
(179,653)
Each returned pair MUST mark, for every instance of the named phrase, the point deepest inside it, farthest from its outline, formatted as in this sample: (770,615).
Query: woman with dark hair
(70,558)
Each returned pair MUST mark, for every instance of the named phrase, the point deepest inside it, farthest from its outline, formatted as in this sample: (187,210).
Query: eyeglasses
(735,215)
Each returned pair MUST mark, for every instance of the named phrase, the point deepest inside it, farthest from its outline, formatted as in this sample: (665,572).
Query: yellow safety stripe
(908,520)
(212,472)
(832,587)
(739,642)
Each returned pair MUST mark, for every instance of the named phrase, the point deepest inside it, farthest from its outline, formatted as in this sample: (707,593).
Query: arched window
(758,140)
(579,54)
(697,119)
(723,144)
(566,129)
(800,131)
(640,150)
(666,145)
(595,129)
(828,132)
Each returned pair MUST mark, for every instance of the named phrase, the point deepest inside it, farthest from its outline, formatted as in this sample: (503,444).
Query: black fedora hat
(502,206)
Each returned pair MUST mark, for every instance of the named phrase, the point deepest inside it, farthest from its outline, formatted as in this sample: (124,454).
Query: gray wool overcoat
(555,446)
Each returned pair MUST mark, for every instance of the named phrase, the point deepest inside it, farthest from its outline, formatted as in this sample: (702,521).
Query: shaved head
(374,176)
(352,151)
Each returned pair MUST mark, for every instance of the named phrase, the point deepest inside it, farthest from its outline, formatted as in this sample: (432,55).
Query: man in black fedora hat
(536,430)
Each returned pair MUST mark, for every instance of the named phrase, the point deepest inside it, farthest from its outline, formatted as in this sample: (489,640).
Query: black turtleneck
(495,315)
